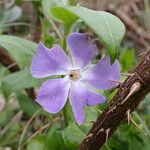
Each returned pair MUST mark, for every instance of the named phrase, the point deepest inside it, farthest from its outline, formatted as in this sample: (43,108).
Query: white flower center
(74,74)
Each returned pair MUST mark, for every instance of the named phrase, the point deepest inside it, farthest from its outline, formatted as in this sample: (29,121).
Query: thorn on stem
(142,54)
(111,110)
(107,134)
(101,130)
(128,115)
(135,123)
(88,137)
(134,88)
(128,74)
(130,119)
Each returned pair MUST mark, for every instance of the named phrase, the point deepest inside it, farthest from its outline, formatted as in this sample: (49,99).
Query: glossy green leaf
(127,58)
(54,140)
(64,15)
(18,81)
(37,143)
(48,4)
(108,27)
(20,50)
(67,139)
(72,136)
(12,14)
(91,114)
(27,104)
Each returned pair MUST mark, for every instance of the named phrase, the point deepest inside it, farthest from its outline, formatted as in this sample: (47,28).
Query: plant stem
(65,110)
(116,112)
(65,114)
(55,28)
(66,32)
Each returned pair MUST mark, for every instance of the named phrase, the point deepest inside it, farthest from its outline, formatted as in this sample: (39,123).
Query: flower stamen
(74,75)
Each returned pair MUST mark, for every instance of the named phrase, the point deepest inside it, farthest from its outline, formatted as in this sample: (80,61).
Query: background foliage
(23,124)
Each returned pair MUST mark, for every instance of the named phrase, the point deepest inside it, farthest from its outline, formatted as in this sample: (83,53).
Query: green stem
(66,108)
(55,28)
(65,114)
(66,32)
(64,44)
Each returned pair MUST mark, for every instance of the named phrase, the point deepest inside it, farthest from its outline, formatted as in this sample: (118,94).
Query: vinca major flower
(81,77)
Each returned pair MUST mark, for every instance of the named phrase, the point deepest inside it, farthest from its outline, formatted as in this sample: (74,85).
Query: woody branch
(127,99)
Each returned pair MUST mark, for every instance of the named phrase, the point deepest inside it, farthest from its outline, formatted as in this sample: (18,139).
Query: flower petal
(48,62)
(81,49)
(53,94)
(79,96)
(103,75)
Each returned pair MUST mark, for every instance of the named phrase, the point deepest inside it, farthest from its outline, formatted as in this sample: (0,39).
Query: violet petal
(79,96)
(47,62)
(82,50)
(53,94)
(103,75)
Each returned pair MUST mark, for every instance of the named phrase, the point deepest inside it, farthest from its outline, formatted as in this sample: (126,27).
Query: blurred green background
(23,124)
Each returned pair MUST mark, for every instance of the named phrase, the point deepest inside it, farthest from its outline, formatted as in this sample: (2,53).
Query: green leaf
(67,139)
(54,140)
(3,72)
(12,14)
(108,27)
(10,135)
(48,41)
(37,143)
(91,114)
(48,4)
(21,50)
(64,15)
(18,81)
(127,58)
(72,136)
(27,104)
(5,116)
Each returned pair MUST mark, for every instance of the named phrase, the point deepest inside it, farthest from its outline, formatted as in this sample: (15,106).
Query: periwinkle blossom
(80,76)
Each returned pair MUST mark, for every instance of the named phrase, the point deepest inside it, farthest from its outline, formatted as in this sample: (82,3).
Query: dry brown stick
(144,43)
(127,99)
(125,13)
(132,24)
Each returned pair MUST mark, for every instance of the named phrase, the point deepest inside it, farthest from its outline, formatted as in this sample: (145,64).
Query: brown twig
(129,12)
(132,24)
(38,131)
(128,97)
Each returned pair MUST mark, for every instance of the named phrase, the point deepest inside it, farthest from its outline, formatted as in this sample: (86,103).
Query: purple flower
(80,76)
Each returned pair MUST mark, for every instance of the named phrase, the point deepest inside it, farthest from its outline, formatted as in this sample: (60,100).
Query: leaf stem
(65,114)
(55,28)
(65,110)
(66,32)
